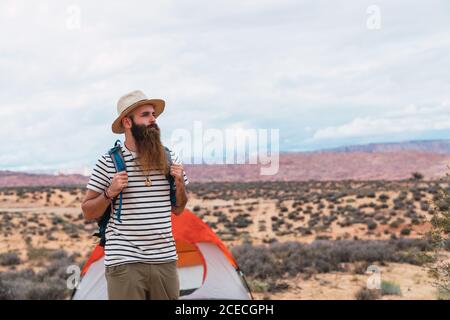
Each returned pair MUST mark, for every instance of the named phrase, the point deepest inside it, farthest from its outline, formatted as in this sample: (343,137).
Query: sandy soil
(413,281)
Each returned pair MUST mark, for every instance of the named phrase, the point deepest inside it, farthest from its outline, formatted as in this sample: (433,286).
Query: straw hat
(131,101)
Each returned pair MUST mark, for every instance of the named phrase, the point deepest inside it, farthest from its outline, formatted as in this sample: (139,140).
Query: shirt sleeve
(100,178)
(177,160)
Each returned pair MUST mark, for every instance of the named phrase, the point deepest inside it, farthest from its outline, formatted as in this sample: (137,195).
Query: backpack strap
(173,195)
(119,163)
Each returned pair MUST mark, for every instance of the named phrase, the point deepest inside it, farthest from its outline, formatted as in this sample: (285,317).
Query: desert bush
(323,237)
(242,221)
(9,259)
(324,256)
(277,286)
(258,285)
(293,215)
(70,228)
(403,195)
(447,244)
(442,204)
(257,262)
(416,176)
(424,206)
(438,235)
(58,254)
(46,291)
(360,267)
(405,232)
(38,253)
(222,219)
(371,225)
(396,223)
(270,240)
(417,196)
(442,294)
(211,224)
(217,213)
(370,194)
(49,284)
(390,288)
(283,209)
(56,220)
(5,291)
(367,294)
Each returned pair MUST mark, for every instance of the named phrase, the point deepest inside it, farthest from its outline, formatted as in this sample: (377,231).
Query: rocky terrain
(296,166)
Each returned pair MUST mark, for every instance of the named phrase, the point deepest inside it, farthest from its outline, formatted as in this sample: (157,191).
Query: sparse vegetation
(9,259)
(439,236)
(49,284)
(367,294)
(416,176)
(323,256)
(259,220)
(390,288)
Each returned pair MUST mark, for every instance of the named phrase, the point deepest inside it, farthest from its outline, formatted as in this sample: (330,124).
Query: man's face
(144,115)
(142,124)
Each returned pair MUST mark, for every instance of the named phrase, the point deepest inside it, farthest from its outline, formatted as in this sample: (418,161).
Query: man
(140,253)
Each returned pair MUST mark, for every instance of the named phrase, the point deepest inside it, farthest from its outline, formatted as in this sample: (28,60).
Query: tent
(206,269)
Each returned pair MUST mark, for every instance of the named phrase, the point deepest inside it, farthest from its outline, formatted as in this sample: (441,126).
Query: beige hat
(131,101)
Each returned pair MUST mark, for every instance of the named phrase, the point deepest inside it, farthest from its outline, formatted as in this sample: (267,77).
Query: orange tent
(206,268)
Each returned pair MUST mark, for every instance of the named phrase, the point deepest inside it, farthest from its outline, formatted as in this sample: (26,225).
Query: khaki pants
(143,281)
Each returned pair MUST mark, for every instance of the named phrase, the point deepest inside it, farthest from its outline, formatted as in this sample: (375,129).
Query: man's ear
(126,122)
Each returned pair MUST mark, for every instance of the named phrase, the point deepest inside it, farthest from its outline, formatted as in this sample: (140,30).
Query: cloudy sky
(325,73)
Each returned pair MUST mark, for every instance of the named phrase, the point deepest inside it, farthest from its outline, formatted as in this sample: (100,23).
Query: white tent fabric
(191,278)
(222,280)
(93,284)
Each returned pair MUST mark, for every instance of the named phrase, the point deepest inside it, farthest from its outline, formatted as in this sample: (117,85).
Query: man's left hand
(176,171)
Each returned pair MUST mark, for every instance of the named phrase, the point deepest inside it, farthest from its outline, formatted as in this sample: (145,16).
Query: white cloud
(410,119)
(270,64)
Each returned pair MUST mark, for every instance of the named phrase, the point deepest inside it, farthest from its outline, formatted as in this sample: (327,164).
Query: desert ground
(42,229)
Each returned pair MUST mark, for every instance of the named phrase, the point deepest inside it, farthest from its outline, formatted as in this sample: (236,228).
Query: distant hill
(14,179)
(434,146)
(293,167)
(333,166)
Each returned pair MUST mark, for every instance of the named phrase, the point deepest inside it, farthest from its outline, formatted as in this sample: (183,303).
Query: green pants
(143,281)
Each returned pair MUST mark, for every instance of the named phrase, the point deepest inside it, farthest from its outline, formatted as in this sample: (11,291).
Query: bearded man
(140,253)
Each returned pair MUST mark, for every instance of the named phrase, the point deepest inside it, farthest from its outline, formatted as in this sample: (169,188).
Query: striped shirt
(145,231)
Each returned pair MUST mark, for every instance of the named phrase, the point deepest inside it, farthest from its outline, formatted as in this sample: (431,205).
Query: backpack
(119,163)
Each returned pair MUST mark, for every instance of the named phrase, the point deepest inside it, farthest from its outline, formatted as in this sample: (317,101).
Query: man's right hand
(118,183)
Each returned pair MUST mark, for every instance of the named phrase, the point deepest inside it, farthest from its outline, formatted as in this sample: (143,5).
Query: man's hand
(118,183)
(176,171)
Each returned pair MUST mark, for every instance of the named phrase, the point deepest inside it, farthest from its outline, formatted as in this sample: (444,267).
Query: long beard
(150,151)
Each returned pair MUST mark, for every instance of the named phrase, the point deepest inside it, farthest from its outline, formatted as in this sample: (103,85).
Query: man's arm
(182,198)
(176,170)
(94,204)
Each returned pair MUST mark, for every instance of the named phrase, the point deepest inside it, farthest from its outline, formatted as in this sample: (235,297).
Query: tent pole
(245,282)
